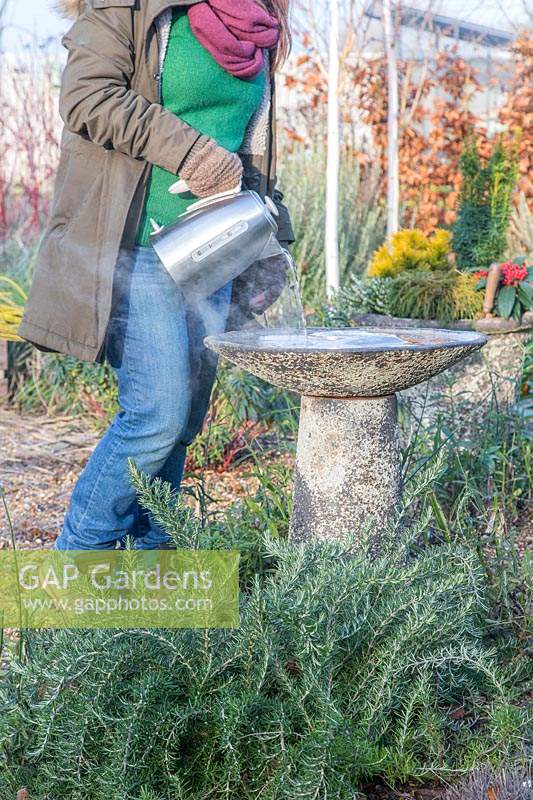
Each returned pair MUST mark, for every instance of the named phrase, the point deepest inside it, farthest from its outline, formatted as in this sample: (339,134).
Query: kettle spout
(272,248)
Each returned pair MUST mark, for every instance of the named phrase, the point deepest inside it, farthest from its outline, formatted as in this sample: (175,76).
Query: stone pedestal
(348,466)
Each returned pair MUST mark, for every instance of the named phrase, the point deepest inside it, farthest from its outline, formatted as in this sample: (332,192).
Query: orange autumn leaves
(433,125)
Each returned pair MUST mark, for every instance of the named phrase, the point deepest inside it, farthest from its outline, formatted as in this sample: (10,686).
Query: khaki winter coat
(115,130)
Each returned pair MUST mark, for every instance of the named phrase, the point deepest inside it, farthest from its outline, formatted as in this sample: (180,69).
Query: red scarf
(235,32)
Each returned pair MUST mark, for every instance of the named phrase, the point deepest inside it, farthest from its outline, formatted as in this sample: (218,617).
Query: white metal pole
(393,169)
(333,161)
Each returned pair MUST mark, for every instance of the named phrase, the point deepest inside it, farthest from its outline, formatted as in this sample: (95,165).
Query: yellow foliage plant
(11,308)
(410,250)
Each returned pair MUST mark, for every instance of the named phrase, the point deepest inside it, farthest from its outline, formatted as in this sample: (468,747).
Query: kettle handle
(180,187)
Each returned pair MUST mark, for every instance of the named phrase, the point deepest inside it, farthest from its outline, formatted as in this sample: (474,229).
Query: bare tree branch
(4,5)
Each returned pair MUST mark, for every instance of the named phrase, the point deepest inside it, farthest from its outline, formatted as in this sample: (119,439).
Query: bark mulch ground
(40,458)
(411,793)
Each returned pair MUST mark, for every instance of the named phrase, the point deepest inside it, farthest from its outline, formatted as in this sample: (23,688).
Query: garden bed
(41,458)
(49,452)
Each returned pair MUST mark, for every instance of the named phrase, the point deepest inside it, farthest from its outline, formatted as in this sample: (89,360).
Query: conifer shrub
(363,295)
(416,294)
(411,250)
(412,276)
(485,204)
(346,666)
(380,295)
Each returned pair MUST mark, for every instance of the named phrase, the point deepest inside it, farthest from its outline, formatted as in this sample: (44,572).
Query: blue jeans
(165,377)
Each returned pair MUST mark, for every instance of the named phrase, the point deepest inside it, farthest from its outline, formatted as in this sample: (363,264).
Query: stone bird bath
(348,465)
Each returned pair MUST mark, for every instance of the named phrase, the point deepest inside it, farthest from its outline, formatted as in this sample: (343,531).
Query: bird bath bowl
(348,466)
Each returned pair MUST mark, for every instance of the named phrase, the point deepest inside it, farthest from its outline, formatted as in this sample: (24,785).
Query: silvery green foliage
(344,667)
(356,295)
(380,295)
(514,783)
(366,295)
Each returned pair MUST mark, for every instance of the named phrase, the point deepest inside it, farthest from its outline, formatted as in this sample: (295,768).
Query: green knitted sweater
(199,91)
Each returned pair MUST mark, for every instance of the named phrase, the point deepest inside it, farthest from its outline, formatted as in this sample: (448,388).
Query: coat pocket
(77,181)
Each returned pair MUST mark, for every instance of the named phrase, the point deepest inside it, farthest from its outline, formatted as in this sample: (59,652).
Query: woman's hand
(210,169)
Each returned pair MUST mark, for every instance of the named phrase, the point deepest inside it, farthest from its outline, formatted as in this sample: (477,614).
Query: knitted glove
(262,284)
(210,169)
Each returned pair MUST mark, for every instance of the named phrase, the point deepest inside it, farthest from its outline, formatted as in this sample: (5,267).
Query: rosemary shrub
(345,667)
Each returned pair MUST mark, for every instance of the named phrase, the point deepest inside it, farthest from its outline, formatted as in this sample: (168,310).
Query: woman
(153,91)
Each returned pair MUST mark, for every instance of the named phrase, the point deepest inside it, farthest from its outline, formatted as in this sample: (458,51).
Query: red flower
(481,273)
(512,274)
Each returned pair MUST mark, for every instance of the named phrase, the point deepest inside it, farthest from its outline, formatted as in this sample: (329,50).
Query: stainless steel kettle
(216,240)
